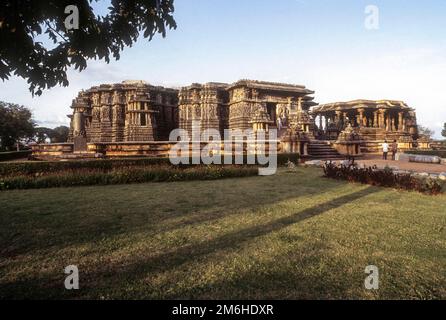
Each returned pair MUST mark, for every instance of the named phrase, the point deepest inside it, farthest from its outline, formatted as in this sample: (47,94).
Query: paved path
(372,159)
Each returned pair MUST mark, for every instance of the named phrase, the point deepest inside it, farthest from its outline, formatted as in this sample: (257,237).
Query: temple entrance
(272,112)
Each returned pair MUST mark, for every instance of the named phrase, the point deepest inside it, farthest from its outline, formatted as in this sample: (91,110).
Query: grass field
(293,235)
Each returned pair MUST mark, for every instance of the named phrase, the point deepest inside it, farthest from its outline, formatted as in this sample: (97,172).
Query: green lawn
(293,235)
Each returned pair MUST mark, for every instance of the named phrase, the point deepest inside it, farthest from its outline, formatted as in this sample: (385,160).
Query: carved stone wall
(205,103)
(136,111)
(277,100)
(223,106)
(129,111)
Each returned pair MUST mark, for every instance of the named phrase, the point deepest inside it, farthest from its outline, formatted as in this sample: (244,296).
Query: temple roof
(359,104)
(216,85)
(129,85)
(272,86)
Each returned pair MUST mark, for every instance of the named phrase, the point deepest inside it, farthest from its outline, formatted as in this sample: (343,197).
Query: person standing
(394,149)
(385,147)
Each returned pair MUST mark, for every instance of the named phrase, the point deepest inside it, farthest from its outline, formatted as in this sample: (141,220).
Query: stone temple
(134,118)
(244,105)
(375,121)
(128,111)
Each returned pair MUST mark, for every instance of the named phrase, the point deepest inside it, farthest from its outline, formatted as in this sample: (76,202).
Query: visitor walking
(394,150)
(385,149)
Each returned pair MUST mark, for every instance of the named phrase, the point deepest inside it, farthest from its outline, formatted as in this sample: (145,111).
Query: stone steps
(322,150)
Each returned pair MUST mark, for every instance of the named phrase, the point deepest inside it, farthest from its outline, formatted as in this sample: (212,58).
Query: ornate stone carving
(105,113)
(96,114)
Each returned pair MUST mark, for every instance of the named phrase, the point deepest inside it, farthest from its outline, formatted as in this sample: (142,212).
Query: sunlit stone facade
(125,112)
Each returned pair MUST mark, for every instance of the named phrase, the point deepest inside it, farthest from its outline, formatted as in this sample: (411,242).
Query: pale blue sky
(322,44)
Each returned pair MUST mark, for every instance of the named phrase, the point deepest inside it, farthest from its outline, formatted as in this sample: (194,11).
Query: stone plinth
(295,141)
(349,143)
(79,144)
(152,149)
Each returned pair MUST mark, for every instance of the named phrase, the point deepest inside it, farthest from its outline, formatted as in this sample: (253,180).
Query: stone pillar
(78,123)
(375,119)
(361,117)
(381,120)
(320,122)
(338,117)
(299,104)
(400,121)
(389,122)
(79,138)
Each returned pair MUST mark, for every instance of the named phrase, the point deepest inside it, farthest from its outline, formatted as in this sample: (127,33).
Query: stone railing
(50,150)
(150,149)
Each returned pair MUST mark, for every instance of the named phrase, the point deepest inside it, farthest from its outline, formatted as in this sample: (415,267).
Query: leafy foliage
(23,23)
(56,135)
(383,178)
(15,155)
(15,124)
(124,175)
(425,131)
(443,132)
(46,167)
(60,134)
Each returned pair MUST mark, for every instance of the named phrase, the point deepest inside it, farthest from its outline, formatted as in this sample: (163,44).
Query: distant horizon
(323,45)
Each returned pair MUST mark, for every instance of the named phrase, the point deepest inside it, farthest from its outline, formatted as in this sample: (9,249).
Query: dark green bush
(85,177)
(36,167)
(44,167)
(383,178)
(14,155)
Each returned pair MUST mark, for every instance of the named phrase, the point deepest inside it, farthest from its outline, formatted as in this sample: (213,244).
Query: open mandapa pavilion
(374,122)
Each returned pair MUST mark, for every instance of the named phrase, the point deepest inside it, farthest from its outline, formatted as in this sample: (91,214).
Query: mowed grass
(294,235)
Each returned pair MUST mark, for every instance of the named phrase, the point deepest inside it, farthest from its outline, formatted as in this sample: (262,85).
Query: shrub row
(14,155)
(35,167)
(383,178)
(86,177)
(438,153)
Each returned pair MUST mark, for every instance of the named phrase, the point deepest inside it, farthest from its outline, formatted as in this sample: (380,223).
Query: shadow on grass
(295,273)
(235,239)
(107,278)
(65,226)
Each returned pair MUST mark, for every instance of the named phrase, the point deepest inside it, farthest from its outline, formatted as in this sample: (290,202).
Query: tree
(60,134)
(443,132)
(425,131)
(41,134)
(75,39)
(16,124)
(56,135)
